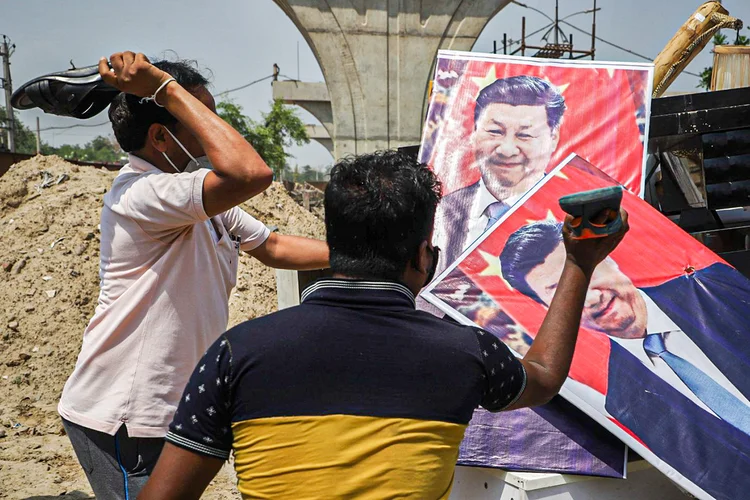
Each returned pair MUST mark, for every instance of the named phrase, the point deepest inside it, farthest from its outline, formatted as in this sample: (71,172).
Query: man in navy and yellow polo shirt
(354,393)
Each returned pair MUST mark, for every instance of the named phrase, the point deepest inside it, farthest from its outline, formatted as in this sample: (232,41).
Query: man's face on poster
(613,304)
(513,145)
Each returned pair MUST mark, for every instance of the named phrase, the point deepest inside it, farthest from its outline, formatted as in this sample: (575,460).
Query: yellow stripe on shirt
(345,456)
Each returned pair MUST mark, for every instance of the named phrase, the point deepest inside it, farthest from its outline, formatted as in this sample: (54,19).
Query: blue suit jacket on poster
(712,307)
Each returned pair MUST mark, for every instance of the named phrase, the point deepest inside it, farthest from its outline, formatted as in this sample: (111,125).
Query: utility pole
(8,86)
(38,138)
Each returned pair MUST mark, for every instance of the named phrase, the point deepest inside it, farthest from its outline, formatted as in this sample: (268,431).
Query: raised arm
(238,174)
(548,360)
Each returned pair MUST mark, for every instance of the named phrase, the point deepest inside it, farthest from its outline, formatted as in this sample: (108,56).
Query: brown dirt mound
(49,251)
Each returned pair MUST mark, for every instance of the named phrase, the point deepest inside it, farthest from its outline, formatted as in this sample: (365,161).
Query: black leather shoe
(80,93)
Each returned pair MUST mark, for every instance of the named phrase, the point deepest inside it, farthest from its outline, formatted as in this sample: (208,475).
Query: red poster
(664,349)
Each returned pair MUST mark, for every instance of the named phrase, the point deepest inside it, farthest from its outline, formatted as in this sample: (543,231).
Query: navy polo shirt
(353,393)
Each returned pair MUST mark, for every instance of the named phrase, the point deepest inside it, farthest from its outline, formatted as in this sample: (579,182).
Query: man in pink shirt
(171,233)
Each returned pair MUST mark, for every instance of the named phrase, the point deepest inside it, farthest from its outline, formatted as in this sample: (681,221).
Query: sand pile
(49,253)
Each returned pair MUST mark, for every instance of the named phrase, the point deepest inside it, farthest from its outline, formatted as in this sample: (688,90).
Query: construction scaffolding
(560,44)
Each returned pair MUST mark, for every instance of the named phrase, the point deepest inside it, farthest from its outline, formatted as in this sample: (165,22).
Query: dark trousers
(118,466)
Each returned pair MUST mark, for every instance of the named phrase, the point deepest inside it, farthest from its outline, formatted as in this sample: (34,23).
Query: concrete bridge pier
(377,58)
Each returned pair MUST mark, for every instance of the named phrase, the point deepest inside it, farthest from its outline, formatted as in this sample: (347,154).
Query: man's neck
(156,161)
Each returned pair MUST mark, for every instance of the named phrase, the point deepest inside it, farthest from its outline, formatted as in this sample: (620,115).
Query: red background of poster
(653,239)
(599,123)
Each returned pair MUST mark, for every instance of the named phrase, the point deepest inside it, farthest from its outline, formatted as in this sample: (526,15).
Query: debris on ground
(307,196)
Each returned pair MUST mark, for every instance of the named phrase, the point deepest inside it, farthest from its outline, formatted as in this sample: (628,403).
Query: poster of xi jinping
(496,125)
(663,353)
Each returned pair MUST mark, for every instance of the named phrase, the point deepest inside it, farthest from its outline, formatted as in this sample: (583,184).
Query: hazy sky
(240,40)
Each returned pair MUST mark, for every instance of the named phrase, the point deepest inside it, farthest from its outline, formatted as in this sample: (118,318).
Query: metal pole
(557,21)
(38,138)
(593,34)
(8,86)
(494,46)
(571,46)
(523,36)
(505,43)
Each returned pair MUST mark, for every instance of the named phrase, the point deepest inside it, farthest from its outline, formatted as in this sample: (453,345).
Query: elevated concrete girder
(319,134)
(313,97)
(377,58)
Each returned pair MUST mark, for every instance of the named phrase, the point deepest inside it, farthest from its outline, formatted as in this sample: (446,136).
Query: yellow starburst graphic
(493,267)
(483,81)
(561,175)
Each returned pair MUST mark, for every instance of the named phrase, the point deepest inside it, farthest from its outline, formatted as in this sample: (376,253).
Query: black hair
(379,208)
(526,248)
(523,91)
(131,119)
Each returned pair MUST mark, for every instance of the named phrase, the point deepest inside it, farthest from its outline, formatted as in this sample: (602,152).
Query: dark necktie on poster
(493,212)
(721,401)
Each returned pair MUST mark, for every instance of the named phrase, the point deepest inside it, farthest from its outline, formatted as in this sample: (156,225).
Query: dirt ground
(49,252)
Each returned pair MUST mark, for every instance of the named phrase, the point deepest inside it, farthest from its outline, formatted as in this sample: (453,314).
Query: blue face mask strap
(122,468)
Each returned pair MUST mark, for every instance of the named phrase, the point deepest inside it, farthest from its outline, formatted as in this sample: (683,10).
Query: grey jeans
(118,466)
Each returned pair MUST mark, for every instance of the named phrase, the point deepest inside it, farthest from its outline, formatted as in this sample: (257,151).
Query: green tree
(718,39)
(99,149)
(279,129)
(102,148)
(308,174)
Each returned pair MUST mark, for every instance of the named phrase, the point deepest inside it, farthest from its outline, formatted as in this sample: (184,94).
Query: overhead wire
(516,42)
(74,126)
(651,59)
(244,86)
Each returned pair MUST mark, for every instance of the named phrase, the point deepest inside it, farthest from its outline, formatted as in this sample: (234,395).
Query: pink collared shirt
(165,286)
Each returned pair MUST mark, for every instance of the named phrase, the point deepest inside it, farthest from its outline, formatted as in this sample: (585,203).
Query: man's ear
(157,137)
(422,261)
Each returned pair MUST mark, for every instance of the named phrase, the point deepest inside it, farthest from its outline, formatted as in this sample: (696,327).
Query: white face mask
(194,163)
